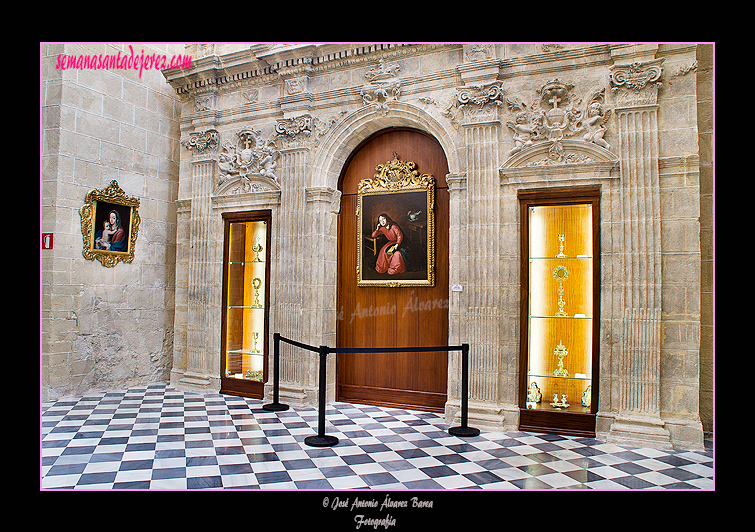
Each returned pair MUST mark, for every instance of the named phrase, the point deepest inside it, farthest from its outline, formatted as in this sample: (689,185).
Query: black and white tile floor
(156,437)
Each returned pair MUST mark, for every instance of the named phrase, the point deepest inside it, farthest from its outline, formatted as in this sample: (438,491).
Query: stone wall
(107,328)
(168,140)
(314,104)
(704,71)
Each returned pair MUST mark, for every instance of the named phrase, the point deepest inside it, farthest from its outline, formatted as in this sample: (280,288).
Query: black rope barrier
(322,439)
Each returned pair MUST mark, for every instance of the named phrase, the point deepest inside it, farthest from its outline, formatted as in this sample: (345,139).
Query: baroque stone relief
(202,142)
(383,85)
(245,156)
(637,83)
(556,114)
(475,103)
(248,154)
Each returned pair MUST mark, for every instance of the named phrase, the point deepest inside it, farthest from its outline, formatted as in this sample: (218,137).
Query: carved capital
(294,132)
(480,102)
(636,84)
(202,142)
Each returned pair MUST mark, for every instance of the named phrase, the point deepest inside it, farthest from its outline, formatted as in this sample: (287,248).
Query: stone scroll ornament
(109,225)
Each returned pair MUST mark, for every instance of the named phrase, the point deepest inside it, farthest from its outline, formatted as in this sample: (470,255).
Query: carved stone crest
(383,85)
(558,114)
(249,154)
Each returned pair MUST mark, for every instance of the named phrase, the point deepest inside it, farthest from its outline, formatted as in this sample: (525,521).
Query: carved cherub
(523,132)
(596,117)
(268,161)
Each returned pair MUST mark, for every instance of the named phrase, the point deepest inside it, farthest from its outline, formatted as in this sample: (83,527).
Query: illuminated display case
(246,259)
(560,310)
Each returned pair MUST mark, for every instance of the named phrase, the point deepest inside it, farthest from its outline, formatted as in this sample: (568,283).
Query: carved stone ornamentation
(558,114)
(248,155)
(480,101)
(478,52)
(202,142)
(294,132)
(204,102)
(383,85)
(637,83)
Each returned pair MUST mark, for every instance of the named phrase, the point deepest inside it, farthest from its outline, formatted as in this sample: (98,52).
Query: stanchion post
(322,440)
(276,406)
(464,430)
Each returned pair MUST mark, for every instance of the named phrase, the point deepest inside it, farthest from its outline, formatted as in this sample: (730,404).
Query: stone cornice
(212,72)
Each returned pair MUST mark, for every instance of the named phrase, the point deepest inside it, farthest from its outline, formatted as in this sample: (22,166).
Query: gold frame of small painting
(109,225)
(396,227)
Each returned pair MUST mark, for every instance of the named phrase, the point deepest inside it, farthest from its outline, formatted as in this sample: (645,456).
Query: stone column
(475,218)
(323,205)
(295,261)
(638,420)
(290,267)
(203,146)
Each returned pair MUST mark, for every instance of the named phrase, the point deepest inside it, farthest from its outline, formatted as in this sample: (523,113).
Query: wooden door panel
(393,317)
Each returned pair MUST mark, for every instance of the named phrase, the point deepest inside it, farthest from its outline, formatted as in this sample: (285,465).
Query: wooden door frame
(241,387)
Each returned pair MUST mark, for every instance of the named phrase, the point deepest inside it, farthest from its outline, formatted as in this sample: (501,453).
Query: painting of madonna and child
(397,239)
(112,224)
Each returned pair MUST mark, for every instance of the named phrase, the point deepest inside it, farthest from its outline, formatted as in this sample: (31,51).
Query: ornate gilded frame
(399,191)
(98,208)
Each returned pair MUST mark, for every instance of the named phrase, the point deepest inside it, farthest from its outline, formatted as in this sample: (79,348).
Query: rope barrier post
(322,440)
(464,430)
(276,406)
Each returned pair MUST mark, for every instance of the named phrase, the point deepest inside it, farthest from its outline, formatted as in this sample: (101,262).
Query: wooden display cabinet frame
(229,385)
(573,423)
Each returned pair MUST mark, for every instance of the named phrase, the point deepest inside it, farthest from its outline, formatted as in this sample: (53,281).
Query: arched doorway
(392,316)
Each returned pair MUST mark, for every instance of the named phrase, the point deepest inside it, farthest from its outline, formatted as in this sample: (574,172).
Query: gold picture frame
(109,225)
(396,227)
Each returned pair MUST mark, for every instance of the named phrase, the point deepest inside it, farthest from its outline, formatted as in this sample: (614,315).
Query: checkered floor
(156,437)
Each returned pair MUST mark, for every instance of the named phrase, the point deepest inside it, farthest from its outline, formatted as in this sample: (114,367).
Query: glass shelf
(530,374)
(575,317)
(578,257)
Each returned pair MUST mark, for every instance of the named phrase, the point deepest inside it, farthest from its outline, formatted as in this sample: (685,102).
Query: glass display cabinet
(560,309)
(246,254)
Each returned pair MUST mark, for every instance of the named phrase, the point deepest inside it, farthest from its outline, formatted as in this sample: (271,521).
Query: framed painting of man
(109,225)
(396,227)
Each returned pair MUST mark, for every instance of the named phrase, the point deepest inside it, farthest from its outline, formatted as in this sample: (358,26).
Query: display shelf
(245,303)
(559,287)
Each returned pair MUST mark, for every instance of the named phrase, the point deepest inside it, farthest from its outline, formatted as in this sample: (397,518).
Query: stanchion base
(275,407)
(464,432)
(321,441)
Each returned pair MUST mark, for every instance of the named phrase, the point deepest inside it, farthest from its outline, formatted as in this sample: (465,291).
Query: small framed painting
(396,227)
(109,225)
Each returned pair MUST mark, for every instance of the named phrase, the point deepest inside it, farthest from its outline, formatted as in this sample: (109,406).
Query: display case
(560,309)
(246,254)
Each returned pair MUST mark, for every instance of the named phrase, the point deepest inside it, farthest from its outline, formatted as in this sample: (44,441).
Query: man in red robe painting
(391,258)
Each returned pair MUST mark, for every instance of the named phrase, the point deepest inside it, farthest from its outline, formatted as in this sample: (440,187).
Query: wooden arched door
(383,316)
